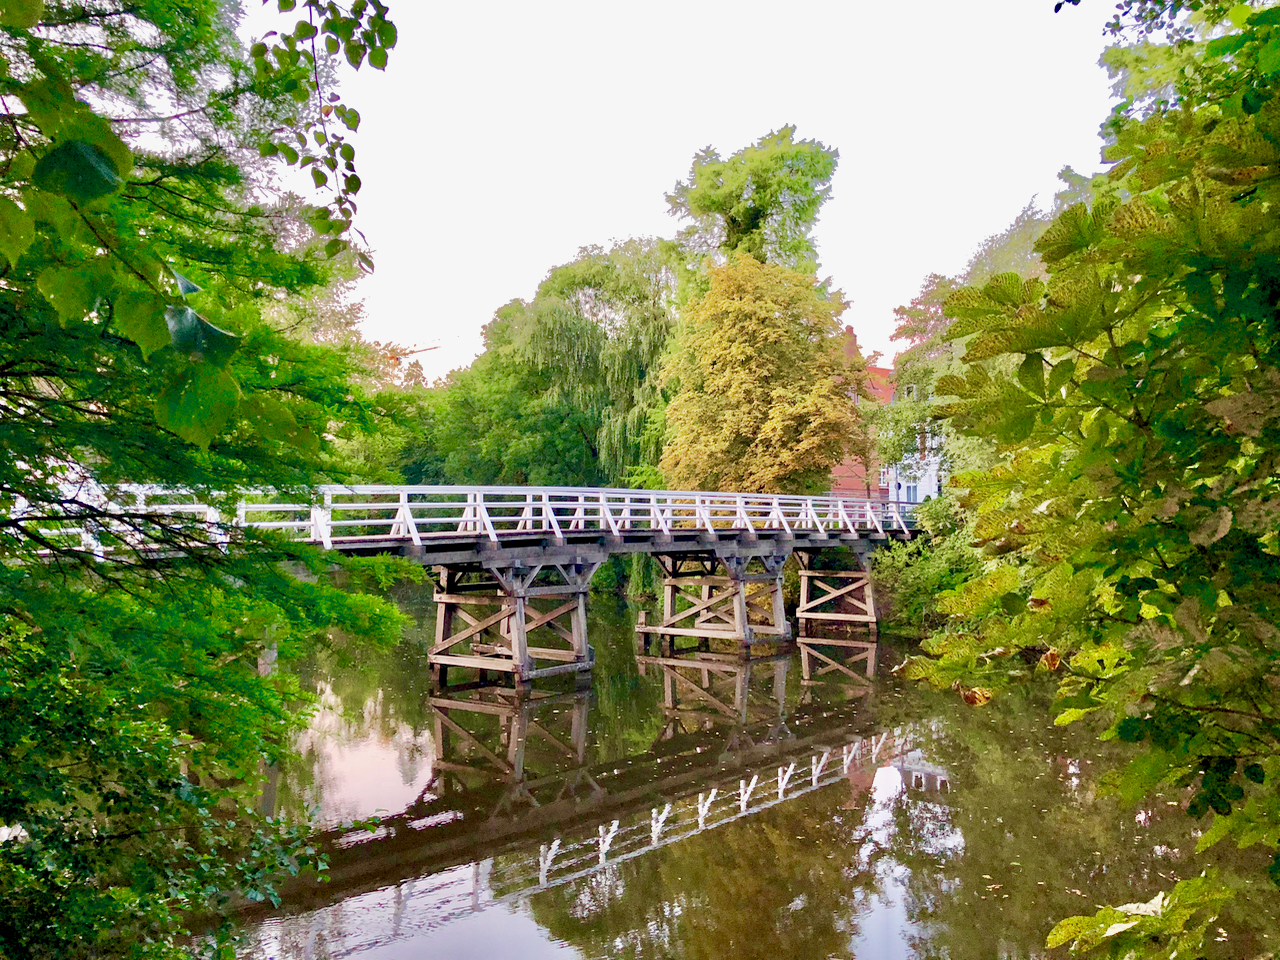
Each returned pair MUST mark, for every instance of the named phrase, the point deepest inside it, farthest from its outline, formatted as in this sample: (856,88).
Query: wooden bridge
(514,564)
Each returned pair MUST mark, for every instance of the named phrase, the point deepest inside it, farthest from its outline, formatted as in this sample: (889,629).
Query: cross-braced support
(742,605)
(512,618)
(835,606)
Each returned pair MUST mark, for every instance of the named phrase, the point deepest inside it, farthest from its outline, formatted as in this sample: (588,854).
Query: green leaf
(1269,56)
(96,131)
(194,336)
(73,291)
(275,421)
(1069,929)
(77,170)
(378,58)
(1031,374)
(1239,15)
(140,316)
(23,14)
(17,230)
(198,403)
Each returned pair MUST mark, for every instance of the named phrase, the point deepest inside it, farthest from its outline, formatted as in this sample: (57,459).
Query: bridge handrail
(351,514)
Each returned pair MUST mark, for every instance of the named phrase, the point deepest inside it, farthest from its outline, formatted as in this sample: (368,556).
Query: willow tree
(599,328)
(766,400)
(141,236)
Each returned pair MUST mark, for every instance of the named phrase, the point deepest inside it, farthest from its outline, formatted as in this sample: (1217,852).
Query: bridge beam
(738,607)
(526,620)
(836,610)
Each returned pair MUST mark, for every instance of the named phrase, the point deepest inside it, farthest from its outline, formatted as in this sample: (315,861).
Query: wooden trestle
(836,606)
(743,605)
(513,617)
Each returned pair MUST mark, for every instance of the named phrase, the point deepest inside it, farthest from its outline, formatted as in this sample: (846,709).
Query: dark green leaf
(1031,374)
(140,316)
(23,14)
(198,403)
(194,336)
(77,170)
(74,291)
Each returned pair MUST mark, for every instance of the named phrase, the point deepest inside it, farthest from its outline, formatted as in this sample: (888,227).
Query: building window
(912,496)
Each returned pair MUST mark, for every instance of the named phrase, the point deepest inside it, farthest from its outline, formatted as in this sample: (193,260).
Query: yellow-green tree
(767,399)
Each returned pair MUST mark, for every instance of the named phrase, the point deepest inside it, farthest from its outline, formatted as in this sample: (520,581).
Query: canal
(755,816)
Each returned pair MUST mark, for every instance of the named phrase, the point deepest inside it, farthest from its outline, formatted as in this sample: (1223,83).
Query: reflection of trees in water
(779,884)
(1039,843)
(378,697)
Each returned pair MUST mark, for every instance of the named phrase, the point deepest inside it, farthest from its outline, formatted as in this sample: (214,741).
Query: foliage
(501,422)
(142,240)
(762,201)
(766,396)
(911,576)
(1135,506)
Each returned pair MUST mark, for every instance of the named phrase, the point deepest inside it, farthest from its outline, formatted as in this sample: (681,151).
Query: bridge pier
(839,599)
(527,620)
(743,605)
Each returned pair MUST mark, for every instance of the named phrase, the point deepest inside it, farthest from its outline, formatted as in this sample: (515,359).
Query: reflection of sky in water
(360,767)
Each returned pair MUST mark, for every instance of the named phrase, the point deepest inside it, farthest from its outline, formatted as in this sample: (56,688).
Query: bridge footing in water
(526,620)
(741,605)
(837,612)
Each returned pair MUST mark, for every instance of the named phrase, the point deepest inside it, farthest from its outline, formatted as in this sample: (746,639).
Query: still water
(743,814)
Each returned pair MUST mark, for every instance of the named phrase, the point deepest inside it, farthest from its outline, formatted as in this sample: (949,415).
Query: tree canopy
(762,201)
(143,238)
(766,399)
(1130,522)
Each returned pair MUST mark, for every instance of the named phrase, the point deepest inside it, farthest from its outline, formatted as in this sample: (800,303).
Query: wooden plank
(722,668)
(470,738)
(580,666)
(823,641)
(838,617)
(835,665)
(471,631)
(479,663)
(690,632)
(698,692)
(475,706)
(475,599)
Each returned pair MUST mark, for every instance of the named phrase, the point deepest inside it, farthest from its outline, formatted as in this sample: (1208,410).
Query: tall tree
(762,201)
(766,399)
(141,236)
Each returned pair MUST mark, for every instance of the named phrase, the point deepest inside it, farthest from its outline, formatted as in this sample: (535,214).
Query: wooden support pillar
(740,606)
(528,621)
(836,610)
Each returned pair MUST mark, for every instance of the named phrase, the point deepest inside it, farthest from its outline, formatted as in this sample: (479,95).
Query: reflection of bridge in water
(515,806)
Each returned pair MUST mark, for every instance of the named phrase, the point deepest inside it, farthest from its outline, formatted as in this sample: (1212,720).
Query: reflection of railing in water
(518,774)
(429,902)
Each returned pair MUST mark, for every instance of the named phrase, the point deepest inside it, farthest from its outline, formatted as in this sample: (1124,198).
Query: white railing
(352,515)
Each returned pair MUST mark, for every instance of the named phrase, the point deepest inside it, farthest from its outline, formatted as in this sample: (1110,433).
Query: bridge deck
(450,524)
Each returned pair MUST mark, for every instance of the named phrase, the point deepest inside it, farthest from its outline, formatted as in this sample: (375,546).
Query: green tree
(134,192)
(762,201)
(500,421)
(766,399)
(1134,510)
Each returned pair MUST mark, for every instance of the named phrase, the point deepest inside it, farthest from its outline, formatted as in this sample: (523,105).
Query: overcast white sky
(504,136)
